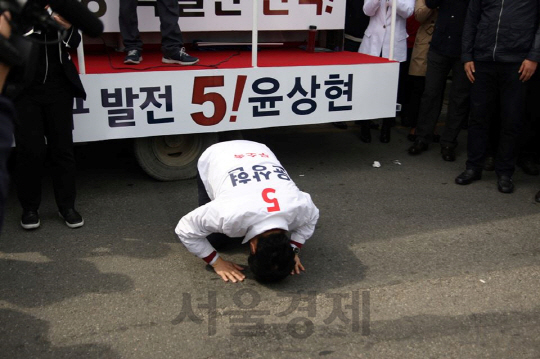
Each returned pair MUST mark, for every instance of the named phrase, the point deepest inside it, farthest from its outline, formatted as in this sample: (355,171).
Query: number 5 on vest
(274,201)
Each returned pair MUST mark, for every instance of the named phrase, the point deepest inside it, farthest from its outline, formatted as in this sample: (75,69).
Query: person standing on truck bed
(172,45)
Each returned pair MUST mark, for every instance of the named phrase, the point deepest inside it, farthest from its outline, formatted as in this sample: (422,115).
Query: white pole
(393,29)
(80,56)
(254,34)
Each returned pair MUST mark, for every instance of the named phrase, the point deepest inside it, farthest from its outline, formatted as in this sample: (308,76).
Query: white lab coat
(377,35)
(243,209)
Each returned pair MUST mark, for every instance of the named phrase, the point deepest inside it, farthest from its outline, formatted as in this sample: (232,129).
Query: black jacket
(502,31)
(449,26)
(51,64)
(356,21)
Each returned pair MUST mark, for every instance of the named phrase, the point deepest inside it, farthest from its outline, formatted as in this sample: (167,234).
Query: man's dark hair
(274,258)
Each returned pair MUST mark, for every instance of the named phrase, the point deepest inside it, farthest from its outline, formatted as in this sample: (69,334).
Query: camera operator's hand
(59,19)
(5,31)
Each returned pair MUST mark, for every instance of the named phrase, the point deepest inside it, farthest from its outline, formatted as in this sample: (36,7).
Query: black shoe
(417,148)
(468,177)
(537,197)
(72,217)
(365,133)
(340,125)
(133,57)
(385,134)
(505,184)
(448,153)
(412,137)
(528,166)
(489,163)
(181,57)
(30,219)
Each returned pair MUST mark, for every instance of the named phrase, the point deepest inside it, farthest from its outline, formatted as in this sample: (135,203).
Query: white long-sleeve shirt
(250,193)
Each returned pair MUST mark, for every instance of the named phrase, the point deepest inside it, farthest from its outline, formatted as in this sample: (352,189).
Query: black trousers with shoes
(168,12)
(45,120)
(438,68)
(496,80)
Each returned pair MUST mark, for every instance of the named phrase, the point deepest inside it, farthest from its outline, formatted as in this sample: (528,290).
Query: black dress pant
(493,81)
(6,141)
(168,12)
(529,141)
(45,120)
(438,68)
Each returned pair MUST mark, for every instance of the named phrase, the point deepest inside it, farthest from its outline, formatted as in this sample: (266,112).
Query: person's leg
(438,68)
(59,131)
(513,95)
(418,84)
(402,98)
(30,152)
(6,141)
(404,88)
(483,97)
(529,139)
(129,25)
(171,36)
(458,105)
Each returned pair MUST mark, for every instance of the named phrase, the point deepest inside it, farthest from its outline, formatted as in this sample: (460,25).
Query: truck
(255,71)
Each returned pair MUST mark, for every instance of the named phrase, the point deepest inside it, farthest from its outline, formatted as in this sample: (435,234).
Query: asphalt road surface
(403,264)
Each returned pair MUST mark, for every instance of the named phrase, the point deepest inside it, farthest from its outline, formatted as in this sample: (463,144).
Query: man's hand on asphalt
(298,267)
(228,271)
(527,69)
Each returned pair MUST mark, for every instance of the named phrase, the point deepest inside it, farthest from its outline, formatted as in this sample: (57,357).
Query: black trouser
(496,80)
(219,241)
(416,89)
(529,141)
(6,141)
(168,12)
(438,68)
(45,113)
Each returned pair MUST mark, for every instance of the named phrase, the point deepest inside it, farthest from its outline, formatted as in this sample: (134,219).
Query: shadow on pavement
(24,336)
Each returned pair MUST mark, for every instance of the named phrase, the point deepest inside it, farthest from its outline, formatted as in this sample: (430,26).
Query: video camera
(27,14)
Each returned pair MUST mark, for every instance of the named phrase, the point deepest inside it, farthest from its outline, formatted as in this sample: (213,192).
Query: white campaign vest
(250,193)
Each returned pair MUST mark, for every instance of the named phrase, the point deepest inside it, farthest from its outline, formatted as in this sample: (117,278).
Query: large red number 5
(199,97)
(274,201)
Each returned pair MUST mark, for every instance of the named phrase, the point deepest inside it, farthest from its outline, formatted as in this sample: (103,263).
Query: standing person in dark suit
(444,56)
(172,45)
(45,120)
(501,50)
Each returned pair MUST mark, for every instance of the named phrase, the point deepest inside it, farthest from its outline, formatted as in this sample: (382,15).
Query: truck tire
(174,157)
